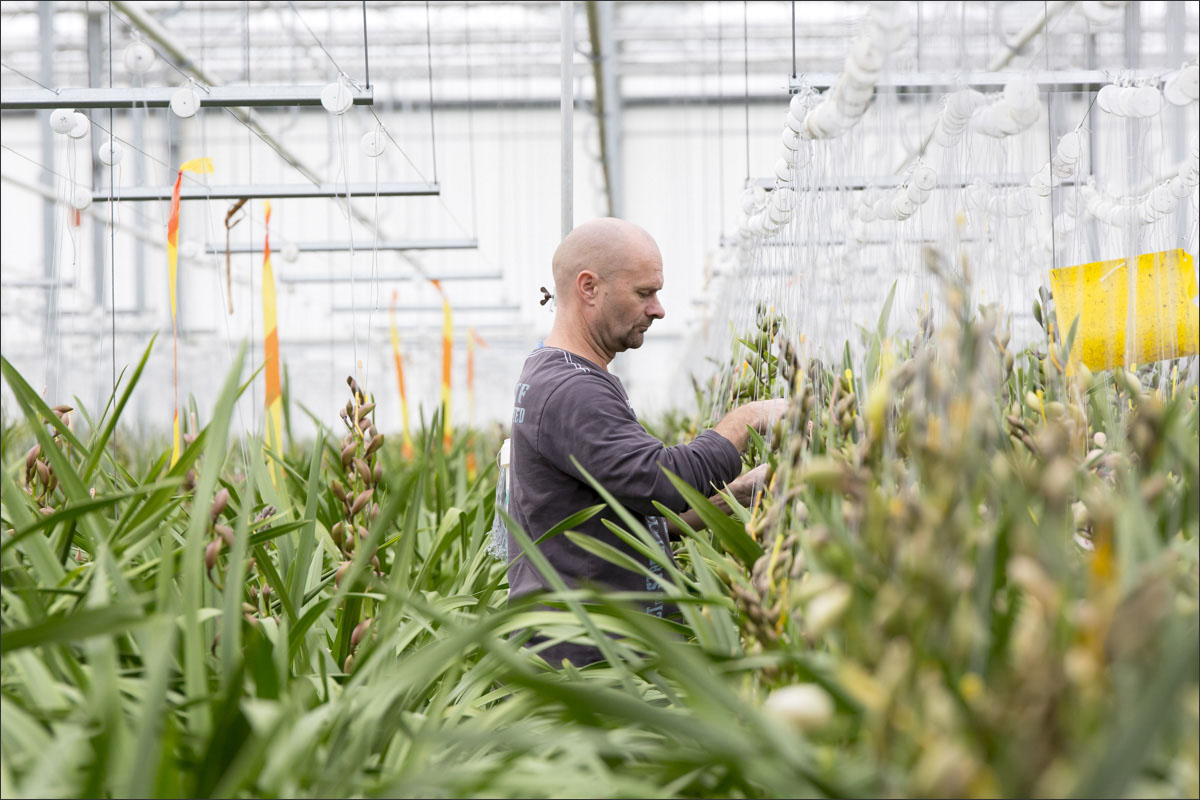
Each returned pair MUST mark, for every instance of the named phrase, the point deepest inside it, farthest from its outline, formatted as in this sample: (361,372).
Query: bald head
(606,246)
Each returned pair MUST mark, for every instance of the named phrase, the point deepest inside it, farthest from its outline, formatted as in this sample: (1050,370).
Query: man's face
(630,302)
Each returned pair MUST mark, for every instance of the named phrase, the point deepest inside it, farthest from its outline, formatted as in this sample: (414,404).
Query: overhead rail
(389,277)
(438,308)
(160,97)
(364,244)
(269,191)
(1054,80)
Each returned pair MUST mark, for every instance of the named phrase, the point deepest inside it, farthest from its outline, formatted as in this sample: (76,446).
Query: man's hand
(743,487)
(759,414)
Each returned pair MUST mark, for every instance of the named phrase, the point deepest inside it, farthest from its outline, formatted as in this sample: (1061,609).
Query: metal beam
(430,309)
(160,97)
(854,183)
(360,245)
(279,191)
(566,103)
(388,278)
(1055,80)
(175,50)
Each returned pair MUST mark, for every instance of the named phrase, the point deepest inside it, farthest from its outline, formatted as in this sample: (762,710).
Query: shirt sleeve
(587,418)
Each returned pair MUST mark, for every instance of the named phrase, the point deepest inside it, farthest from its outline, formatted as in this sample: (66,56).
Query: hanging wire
(429,63)
(746,68)
(26,77)
(36,163)
(321,45)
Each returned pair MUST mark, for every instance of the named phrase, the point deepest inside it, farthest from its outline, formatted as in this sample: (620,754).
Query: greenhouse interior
(865,336)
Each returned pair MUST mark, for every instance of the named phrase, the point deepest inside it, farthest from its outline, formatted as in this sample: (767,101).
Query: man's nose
(656,310)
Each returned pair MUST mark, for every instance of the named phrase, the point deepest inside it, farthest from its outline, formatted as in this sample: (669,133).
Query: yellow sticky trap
(1165,320)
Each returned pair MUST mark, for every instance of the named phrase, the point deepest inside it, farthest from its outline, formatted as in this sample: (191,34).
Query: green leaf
(730,534)
(74,627)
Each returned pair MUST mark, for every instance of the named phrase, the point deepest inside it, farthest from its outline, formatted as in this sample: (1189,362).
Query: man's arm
(760,415)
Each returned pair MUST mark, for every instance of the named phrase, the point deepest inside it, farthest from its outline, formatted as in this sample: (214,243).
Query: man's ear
(587,283)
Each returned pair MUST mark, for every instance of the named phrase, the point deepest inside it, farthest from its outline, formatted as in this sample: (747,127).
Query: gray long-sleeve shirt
(565,405)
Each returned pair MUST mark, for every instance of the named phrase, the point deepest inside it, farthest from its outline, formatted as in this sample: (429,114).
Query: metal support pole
(567,106)
(278,191)
(139,179)
(608,101)
(95,44)
(1176,26)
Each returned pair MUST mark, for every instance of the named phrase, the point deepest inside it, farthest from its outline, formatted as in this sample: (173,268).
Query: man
(607,275)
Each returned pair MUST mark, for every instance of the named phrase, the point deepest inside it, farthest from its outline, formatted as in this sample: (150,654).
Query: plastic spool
(1024,116)
(110,153)
(81,198)
(1184,86)
(791,139)
(884,208)
(1106,98)
(1145,101)
(784,199)
(749,202)
(867,55)
(916,193)
(783,170)
(903,206)
(138,57)
(290,252)
(1063,169)
(1039,185)
(924,177)
(336,98)
(373,144)
(761,196)
(1178,188)
(62,120)
(1069,146)
(1162,200)
(856,73)
(866,212)
(1021,93)
(185,102)
(798,106)
(793,123)
(80,126)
